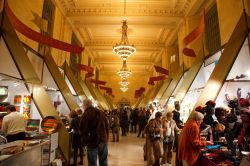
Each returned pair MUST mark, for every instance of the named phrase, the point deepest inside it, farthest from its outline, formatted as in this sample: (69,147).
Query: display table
(25,155)
(221,159)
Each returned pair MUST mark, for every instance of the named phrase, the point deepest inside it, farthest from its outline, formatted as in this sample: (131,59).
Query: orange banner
(33,35)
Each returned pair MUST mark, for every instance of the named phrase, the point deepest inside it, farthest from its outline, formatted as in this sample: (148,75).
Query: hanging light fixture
(124,49)
(124,83)
(124,89)
(124,72)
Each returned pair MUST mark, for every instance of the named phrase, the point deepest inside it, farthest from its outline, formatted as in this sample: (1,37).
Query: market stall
(172,90)
(228,85)
(162,89)
(73,85)
(171,87)
(24,86)
(53,81)
(193,84)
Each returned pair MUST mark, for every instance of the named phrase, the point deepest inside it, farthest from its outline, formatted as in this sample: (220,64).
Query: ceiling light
(124,89)
(124,73)
(124,49)
(124,83)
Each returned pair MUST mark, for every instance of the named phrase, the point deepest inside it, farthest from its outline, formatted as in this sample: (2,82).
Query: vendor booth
(96,99)
(228,85)
(21,85)
(162,89)
(73,85)
(193,84)
(172,86)
(170,92)
(52,79)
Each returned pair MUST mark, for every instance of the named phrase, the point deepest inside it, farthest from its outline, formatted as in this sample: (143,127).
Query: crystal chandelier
(124,89)
(124,83)
(124,73)
(124,49)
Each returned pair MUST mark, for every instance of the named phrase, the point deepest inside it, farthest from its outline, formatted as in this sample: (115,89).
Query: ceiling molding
(136,11)
(135,42)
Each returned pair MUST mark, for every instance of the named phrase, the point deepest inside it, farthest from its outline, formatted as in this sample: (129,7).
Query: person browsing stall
(190,141)
(13,124)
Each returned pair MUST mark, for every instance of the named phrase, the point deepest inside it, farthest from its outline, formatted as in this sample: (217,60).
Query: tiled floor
(127,152)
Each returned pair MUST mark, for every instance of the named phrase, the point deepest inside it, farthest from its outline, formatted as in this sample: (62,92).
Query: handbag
(154,136)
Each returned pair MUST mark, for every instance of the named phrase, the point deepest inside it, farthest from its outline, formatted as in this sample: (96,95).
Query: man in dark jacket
(176,115)
(95,131)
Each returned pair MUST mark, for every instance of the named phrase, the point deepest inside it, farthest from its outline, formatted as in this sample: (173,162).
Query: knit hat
(211,102)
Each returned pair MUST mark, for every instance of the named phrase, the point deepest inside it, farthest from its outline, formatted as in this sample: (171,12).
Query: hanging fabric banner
(161,70)
(151,82)
(139,92)
(157,78)
(108,90)
(33,35)
(89,69)
(192,36)
(89,74)
(97,82)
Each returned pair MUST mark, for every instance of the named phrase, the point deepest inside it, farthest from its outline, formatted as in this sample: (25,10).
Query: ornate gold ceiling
(152,25)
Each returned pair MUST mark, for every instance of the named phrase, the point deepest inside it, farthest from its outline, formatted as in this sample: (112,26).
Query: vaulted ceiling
(152,25)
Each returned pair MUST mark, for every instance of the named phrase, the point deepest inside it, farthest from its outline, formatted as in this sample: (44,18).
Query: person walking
(142,123)
(169,128)
(124,122)
(154,131)
(115,126)
(94,128)
(76,138)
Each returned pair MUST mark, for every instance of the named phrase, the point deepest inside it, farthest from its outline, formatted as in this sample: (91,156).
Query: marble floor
(127,152)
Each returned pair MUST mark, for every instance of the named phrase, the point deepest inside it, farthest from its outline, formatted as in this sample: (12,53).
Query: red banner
(192,36)
(89,69)
(139,92)
(142,89)
(89,74)
(97,82)
(151,82)
(158,78)
(161,70)
(33,35)
(108,90)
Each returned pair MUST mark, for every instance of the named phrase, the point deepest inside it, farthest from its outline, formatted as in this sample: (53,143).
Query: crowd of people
(91,129)
(204,126)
